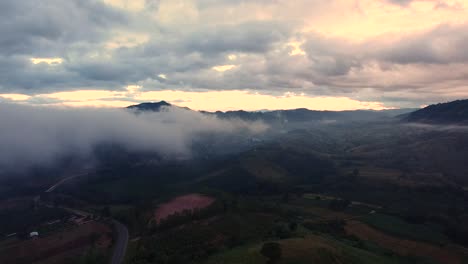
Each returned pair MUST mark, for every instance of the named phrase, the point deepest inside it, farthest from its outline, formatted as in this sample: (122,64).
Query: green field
(398,227)
(311,249)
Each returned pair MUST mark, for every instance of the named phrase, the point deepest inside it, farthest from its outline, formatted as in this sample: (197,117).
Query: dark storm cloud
(252,37)
(46,27)
(174,51)
(52,28)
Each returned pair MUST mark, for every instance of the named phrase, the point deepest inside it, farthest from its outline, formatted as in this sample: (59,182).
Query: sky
(234,54)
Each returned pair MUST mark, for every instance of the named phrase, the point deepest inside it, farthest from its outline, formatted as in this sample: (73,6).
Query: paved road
(120,247)
(55,186)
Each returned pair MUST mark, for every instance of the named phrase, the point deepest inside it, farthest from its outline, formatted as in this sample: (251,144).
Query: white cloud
(50,61)
(223,68)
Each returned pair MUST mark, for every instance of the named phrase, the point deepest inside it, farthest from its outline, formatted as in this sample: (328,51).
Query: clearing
(182,203)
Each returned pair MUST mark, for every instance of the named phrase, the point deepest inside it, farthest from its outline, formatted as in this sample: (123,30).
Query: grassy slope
(398,227)
(312,249)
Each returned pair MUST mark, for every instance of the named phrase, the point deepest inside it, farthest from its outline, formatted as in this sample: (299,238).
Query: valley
(326,193)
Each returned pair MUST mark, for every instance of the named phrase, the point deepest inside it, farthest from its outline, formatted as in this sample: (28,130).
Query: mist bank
(39,136)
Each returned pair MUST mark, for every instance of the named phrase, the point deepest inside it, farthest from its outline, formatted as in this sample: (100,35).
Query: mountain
(156,107)
(305,115)
(455,112)
(299,115)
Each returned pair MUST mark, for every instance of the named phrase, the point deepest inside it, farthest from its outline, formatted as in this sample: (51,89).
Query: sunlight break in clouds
(15,97)
(205,100)
(243,100)
(50,61)
(223,68)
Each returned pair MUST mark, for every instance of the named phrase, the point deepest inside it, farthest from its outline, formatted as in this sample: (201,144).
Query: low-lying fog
(40,135)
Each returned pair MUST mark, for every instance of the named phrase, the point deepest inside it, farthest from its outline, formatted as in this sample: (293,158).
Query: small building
(34,235)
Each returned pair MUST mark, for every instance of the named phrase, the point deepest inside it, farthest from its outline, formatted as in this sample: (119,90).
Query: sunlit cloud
(95,103)
(204,100)
(296,48)
(132,89)
(223,68)
(364,19)
(15,97)
(177,12)
(132,5)
(84,95)
(236,100)
(50,61)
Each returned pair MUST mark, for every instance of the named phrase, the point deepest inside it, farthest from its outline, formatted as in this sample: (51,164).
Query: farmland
(70,243)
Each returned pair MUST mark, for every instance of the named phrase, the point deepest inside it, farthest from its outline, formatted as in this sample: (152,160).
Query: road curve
(120,247)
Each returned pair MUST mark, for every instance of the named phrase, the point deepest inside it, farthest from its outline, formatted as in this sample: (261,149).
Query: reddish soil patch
(402,246)
(182,203)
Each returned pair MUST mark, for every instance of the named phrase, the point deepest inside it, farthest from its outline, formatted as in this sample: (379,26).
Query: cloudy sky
(234,54)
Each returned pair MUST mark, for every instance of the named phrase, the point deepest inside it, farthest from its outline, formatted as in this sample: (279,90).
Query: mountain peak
(150,106)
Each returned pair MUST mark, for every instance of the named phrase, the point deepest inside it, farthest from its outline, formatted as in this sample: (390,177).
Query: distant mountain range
(287,116)
(455,112)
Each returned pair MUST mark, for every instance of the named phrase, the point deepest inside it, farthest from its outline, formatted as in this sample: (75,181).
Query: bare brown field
(403,247)
(181,203)
(57,245)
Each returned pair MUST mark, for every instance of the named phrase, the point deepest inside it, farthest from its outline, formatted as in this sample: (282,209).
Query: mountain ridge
(454,112)
(290,115)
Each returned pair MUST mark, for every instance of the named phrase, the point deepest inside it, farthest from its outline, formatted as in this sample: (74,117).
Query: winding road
(62,181)
(120,247)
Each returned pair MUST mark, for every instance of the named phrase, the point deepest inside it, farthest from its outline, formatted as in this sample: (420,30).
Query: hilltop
(455,112)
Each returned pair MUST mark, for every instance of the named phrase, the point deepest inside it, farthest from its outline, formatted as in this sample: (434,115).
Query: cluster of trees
(196,240)
(92,256)
(136,218)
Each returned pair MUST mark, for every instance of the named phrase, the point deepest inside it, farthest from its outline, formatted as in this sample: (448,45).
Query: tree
(272,251)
